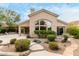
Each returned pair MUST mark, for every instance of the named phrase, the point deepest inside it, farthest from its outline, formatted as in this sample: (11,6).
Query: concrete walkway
(69,51)
(39,50)
(43,53)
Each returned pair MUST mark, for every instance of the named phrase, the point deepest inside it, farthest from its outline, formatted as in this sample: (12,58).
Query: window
(37,28)
(42,25)
(42,22)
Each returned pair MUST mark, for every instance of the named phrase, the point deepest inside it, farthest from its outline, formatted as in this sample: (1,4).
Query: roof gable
(43,10)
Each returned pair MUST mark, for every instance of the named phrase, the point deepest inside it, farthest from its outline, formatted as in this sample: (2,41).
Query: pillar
(19,30)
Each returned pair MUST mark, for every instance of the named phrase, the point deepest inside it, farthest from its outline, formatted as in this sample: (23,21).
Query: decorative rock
(36,47)
(25,53)
(32,43)
(59,39)
(37,41)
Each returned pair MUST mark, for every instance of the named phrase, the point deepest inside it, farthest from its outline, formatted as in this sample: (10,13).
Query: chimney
(32,10)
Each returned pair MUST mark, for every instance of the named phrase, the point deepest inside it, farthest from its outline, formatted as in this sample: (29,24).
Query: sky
(67,11)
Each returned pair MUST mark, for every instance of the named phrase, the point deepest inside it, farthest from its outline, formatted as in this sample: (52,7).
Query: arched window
(42,25)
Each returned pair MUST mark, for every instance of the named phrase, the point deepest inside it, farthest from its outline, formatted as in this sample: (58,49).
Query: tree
(73,30)
(8,17)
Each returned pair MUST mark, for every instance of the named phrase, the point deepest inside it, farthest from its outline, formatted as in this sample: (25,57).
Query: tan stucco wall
(39,16)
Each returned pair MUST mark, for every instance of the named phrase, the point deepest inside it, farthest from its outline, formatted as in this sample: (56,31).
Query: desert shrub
(53,45)
(22,45)
(65,38)
(0,41)
(12,41)
(51,37)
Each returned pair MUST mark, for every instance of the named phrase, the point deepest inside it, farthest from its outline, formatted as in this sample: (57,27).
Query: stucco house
(50,20)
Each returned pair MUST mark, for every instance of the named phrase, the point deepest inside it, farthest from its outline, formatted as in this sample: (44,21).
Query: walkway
(39,50)
(69,51)
(43,53)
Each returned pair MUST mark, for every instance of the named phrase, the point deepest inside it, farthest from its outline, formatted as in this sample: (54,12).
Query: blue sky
(67,11)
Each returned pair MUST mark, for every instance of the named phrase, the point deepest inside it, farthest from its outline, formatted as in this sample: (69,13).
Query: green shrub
(76,36)
(51,37)
(36,31)
(12,41)
(50,32)
(72,30)
(53,45)
(44,33)
(40,33)
(22,45)
(65,38)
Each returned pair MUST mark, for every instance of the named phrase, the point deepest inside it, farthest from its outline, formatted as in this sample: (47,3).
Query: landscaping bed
(8,48)
(16,47)
(61,49)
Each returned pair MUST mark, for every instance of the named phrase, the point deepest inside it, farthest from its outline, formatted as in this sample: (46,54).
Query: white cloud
(69,14)
(66,13)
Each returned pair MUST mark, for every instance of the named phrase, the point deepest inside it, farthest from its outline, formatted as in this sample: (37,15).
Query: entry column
(19,30)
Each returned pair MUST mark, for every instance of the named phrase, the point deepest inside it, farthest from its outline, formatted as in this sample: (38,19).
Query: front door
(59,30)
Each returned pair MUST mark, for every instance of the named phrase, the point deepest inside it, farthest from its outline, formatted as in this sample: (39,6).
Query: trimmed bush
(43,33)
(22,45)
(12,41)
(53,46)
(50,32)
(51,37)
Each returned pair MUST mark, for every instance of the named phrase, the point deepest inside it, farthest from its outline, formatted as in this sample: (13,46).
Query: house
(42,19)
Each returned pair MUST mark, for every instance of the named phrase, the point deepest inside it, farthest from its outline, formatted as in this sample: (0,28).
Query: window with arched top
(42,25)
